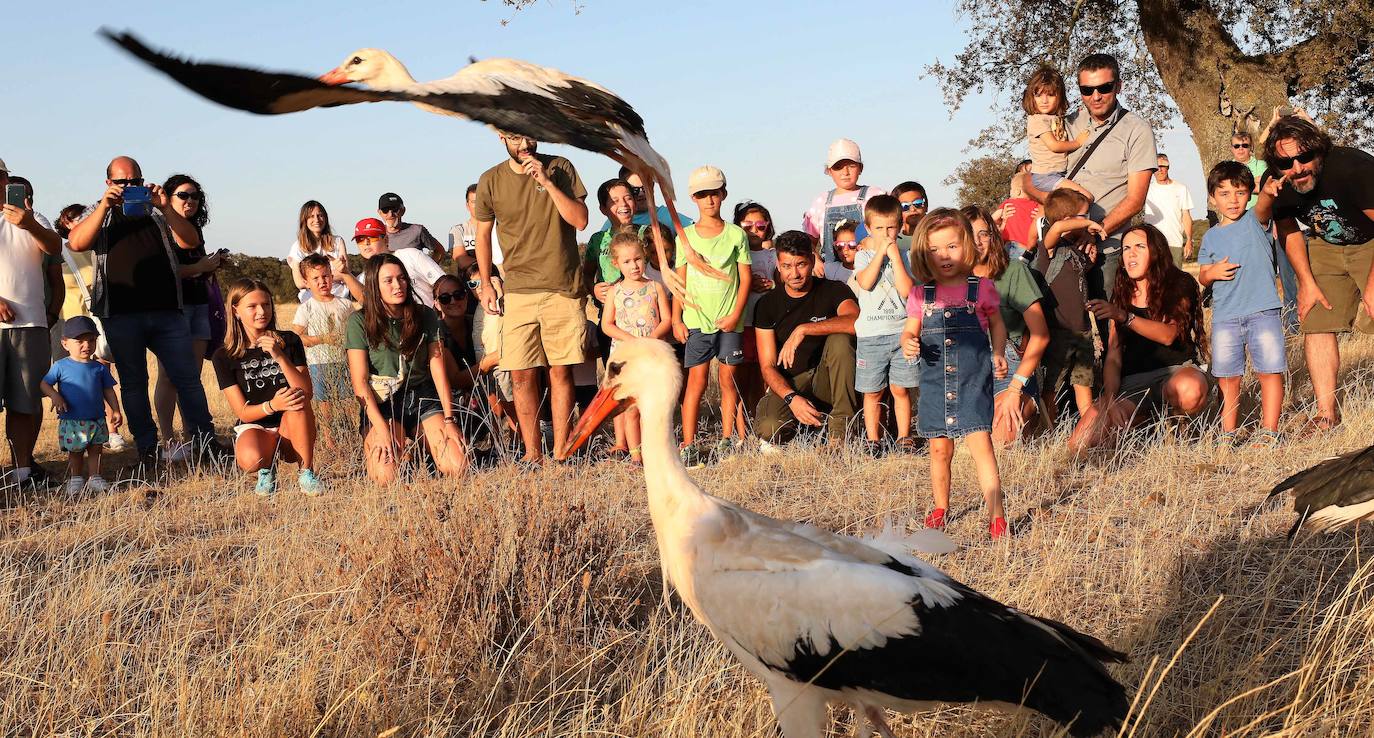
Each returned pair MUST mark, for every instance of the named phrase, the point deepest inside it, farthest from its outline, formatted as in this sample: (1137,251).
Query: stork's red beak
(604,407)
(334,76)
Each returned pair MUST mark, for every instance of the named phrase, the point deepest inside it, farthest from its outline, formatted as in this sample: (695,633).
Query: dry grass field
(529,604)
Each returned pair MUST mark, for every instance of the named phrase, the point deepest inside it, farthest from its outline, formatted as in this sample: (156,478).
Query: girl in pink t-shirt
(950,316)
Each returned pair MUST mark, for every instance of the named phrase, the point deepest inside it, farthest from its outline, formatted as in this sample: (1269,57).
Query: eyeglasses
(1240,146)
(1163,166)
(130,182)
(1102,89)
(474,284)
(919,202)
(637,192)
(448,297)
(389,211)
(367,239)
(846,244)
(187,196)
(1284,163)
(759,224)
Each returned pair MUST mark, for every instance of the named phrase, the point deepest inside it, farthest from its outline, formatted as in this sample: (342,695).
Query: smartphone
(222,252)
(138,201)
(15,194)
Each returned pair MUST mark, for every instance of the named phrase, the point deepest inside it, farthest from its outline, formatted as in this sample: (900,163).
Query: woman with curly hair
(1153,346)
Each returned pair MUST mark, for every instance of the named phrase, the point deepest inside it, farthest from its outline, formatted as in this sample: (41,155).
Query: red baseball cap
(369,227)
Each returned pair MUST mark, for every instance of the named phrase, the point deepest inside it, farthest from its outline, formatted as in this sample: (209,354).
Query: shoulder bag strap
(1121,113)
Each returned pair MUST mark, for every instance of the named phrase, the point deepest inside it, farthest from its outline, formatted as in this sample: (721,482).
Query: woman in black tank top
(1154,342)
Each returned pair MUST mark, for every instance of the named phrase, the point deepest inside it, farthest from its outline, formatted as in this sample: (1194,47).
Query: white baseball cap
(705,178)
(842,149)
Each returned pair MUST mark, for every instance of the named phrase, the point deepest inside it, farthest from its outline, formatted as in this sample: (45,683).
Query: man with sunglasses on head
(137,296)
(1115,165)
(401,235)
(1331,190)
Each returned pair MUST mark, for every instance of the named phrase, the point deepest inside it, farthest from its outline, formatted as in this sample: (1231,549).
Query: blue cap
(79,326)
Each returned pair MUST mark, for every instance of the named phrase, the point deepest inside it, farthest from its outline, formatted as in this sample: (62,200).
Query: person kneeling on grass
(263,374)
(82,383)
(396,364)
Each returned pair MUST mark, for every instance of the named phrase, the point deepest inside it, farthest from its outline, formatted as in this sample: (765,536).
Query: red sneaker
(936,519)
(998,528)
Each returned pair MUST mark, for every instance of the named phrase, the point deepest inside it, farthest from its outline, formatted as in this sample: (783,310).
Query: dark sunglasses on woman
(448,297)
(187,196)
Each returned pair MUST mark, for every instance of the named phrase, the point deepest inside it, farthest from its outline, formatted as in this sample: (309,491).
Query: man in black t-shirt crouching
(804,329)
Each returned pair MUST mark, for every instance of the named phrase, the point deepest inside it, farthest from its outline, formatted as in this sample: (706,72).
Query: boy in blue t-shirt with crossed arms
(80,387)
(1237,262)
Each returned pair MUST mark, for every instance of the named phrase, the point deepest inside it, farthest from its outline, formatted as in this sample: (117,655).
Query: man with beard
(1331,189)
(537,202)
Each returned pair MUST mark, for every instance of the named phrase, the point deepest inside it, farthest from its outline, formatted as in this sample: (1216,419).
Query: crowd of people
(986,325)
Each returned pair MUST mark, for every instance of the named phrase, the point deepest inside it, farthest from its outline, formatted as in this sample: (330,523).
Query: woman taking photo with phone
(396,364)
(315,236)
(196,269)
(263,374)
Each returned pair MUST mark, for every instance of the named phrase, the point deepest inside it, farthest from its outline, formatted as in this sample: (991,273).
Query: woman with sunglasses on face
(757,223)
(196,269)
(396,364)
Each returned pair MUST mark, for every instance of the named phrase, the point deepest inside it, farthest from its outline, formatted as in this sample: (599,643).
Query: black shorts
(408,406)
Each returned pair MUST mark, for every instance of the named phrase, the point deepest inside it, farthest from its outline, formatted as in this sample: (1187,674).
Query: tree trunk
(1219,90)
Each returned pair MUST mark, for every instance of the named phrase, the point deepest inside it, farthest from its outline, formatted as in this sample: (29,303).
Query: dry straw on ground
(529,604)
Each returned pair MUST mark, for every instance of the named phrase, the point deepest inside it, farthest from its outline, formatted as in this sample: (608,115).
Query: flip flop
(1317,425)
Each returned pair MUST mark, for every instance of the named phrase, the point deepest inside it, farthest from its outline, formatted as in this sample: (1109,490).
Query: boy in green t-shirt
(711,327)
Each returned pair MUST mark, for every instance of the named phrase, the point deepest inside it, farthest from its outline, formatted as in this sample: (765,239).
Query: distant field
(529,604)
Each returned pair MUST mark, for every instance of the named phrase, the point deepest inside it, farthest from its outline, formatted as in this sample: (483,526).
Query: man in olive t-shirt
(538,204)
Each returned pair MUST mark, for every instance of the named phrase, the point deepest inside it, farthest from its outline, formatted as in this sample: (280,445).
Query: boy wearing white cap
(711,328)
(845,164)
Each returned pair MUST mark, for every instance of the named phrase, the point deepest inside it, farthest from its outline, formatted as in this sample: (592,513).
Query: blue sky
(758,89)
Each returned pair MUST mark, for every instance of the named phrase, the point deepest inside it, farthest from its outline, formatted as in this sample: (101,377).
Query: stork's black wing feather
(264,93)
(1345,480)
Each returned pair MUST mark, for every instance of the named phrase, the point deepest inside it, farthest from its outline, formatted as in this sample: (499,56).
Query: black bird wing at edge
(1344,480)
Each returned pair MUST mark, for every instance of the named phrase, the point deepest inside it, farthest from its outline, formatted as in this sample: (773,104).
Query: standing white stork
(1335,492)
(822,618)
(507,94)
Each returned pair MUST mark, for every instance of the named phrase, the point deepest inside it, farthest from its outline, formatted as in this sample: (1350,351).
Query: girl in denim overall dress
(951,314)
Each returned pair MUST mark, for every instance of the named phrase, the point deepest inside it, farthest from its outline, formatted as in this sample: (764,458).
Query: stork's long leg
(875,714)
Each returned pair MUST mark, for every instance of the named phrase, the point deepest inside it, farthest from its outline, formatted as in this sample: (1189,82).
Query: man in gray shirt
(402,235)
(1118,169)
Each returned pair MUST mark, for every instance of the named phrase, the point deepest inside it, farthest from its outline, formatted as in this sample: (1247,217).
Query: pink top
(953,296)
(813,220)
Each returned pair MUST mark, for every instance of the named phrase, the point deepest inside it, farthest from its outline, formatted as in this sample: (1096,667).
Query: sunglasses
(130,182)
(919,202)
(448,297)
(846,244)
(1284,163)
(760,224)
(367,239)
(187,196)
(1102,89)
(390,210)
(474,284)
(1240,146)
(637,192)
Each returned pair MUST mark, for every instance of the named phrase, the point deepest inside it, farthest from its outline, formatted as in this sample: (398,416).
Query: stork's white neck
(391,75)
(670,488)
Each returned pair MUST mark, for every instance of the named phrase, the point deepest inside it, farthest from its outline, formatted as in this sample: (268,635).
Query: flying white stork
(1335,492)
(822,618)
(507,94)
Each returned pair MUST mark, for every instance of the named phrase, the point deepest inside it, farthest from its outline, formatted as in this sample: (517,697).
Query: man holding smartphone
(24,347)
(137,296)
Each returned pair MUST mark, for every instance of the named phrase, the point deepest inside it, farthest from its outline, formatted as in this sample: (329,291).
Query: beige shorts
(541,329)
(1341,273)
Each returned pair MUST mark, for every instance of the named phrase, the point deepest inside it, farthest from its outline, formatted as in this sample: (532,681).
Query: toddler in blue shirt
(80,388)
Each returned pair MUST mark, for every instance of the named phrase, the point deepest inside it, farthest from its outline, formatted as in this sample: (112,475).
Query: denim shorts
(1046,182)
(407,406)
(1258,334)
(725,346)
(330,382)
(879,362)
(1032,388)
(198,320)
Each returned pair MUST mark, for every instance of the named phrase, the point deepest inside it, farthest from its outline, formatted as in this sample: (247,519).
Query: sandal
(1317,425)
(1265,438)
(907,445)
(1228,439)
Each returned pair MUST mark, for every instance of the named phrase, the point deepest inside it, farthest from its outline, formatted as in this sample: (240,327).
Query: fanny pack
(386,385)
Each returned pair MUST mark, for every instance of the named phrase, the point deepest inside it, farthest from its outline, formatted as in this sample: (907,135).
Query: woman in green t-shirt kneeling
(396,365)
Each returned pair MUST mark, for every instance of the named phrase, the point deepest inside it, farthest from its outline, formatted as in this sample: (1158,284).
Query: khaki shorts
(1341,273)
(541,329)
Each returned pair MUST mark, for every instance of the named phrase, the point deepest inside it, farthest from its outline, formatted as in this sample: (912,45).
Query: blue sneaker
(310,484)
(267,482)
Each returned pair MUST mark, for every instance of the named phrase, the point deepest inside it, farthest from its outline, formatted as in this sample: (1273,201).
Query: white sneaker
(177,451)
(116,443)
(97,483)
(76,484)
(768,449)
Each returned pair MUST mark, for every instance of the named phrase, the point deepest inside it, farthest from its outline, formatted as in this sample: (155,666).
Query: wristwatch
(1129,317)
(451,419)
(787,399)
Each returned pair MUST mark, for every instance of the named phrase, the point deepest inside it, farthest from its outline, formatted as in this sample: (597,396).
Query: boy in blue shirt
(80,387)
(1237,262)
